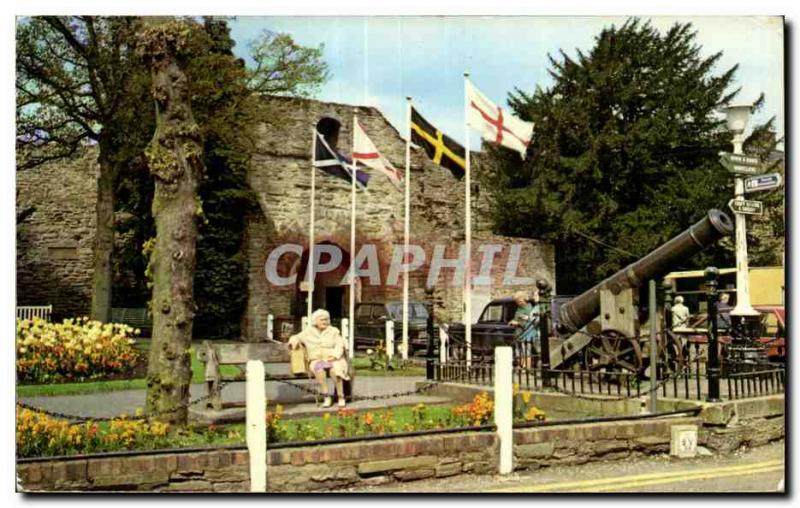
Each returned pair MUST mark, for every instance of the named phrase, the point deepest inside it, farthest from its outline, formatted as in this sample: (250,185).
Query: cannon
(602,322)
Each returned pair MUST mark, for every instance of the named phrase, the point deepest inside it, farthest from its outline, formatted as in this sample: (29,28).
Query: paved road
(756,470)
(107,404)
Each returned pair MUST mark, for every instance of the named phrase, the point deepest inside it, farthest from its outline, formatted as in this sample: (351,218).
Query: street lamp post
(737,117)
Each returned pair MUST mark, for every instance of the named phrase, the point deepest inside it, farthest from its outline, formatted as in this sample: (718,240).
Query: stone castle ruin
(55,235)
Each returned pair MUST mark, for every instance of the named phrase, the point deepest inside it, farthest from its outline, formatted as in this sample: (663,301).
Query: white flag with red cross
(364,151)
(496,124)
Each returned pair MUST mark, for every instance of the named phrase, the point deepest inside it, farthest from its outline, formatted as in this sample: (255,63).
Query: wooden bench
(35,311)
(214,355)
(132,316)
(272,353)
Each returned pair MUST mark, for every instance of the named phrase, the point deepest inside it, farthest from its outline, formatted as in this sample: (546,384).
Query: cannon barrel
(582,309)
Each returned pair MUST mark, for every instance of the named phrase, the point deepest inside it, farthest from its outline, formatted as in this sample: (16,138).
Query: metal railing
(689,379)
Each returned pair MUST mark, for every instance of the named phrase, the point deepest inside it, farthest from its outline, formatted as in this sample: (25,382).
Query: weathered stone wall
(54,258)
(281,177)
(579,444)
(305,469)
(206,471)
(54,241)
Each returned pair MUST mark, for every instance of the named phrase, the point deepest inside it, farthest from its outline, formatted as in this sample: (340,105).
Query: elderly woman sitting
(325,349)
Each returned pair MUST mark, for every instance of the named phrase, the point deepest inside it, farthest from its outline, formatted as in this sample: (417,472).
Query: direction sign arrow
(740,164)
(763,182)
(741,159)
(746,207)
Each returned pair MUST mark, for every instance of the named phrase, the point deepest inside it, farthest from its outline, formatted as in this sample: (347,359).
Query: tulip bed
(74,350)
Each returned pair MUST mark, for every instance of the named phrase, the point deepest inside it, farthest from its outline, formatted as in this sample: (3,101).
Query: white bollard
(390,339)
(303,323)
(442,345)
(346,335)
(256,400)
(503,407)
(270,327)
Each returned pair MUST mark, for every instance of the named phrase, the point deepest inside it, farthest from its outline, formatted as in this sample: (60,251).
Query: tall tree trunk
(102,277)
(174,157)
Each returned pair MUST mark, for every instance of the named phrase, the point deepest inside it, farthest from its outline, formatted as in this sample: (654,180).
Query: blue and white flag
(336,164)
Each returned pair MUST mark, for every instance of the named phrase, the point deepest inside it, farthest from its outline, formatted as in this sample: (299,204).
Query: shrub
(75,349)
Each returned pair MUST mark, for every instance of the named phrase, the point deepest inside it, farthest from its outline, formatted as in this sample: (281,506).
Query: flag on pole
(364,151)
(494,124)
(441,149)
(336,164)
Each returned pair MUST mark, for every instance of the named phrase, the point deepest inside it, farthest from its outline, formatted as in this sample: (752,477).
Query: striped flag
(441,149)
(495,124)
(364,151)
(336,164)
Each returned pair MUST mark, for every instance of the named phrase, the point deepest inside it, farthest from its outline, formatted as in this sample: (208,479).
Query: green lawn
(362,367)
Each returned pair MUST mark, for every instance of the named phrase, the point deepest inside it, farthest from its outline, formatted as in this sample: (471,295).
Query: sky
(378,61)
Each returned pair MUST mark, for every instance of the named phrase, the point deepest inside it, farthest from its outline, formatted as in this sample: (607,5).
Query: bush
(75,349)
(40,435)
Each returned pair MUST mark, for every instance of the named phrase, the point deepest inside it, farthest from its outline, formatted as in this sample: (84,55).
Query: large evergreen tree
(625,152)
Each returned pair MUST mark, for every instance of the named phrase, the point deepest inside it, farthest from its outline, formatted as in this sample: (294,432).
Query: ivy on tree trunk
(174,158)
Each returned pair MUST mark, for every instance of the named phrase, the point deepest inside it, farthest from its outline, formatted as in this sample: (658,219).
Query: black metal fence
(688,379)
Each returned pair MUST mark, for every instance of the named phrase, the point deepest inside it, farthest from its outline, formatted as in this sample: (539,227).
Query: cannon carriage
(599,329)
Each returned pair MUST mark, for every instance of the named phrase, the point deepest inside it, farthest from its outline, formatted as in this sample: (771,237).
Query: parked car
(371,320)
(492,327)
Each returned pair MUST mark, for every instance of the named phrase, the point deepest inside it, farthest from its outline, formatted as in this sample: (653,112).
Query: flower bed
(75,349)
(40,435)
(348,423)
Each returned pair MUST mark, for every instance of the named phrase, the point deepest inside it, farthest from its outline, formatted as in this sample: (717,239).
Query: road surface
(755,470)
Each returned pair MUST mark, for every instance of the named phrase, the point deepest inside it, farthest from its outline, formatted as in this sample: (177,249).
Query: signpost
(746,207)
(740,164)
(762,182)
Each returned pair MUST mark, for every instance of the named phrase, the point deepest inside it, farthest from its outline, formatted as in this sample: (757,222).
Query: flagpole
(351,332)
(406,228)
(310,266)
(467,292)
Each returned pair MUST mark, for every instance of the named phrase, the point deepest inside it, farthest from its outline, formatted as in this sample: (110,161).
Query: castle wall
(55,237)
(280,174)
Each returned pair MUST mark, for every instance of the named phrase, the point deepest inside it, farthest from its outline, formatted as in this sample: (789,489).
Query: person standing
(680,314)
(526,319)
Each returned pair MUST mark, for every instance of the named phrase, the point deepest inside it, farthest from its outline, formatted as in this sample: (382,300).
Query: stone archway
(330,292)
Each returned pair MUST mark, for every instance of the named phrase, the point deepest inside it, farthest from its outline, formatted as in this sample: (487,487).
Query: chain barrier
(356,398)
(82,419)
(602,397)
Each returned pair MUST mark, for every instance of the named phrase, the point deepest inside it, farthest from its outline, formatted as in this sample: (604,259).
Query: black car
(371,320)
(492,327)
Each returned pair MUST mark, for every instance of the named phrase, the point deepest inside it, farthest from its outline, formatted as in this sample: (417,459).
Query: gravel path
(107,404)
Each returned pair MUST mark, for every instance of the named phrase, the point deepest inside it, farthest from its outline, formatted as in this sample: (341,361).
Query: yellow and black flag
(442,150)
